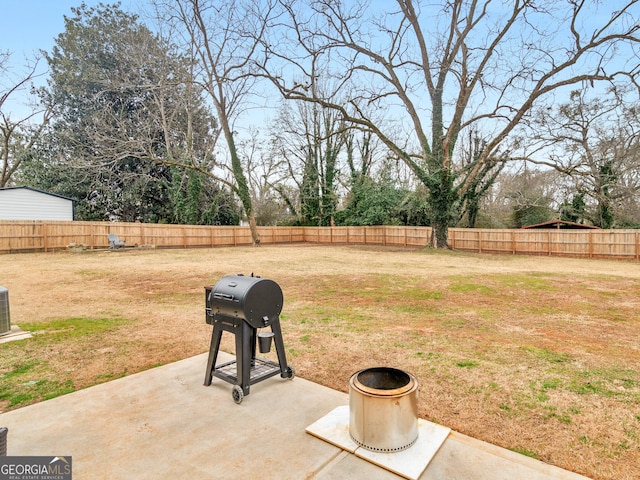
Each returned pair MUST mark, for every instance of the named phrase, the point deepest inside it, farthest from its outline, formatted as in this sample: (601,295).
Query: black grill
(241,305)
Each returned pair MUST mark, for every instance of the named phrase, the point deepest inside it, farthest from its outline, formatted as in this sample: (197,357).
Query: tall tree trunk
(241,180)
(442,200)
(473,208)
(439,235)
(254,229)
(440,228)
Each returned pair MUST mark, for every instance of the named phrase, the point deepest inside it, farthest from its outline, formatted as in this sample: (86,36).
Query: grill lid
(256,300)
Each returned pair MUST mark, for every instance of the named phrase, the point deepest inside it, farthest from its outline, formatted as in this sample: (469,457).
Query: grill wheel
(237,394)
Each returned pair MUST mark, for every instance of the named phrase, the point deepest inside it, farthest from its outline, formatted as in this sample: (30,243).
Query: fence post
(45,236)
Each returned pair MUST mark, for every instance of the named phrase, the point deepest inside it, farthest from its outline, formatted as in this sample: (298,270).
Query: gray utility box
(5,318)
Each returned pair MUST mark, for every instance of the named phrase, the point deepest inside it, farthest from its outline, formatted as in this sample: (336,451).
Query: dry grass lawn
(539,355)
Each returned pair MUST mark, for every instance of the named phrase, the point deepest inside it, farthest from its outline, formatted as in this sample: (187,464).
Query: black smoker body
(241,305)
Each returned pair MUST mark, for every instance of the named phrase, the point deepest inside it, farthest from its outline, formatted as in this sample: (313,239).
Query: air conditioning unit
(5,318)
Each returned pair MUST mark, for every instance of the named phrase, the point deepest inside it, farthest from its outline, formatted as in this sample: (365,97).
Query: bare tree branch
(481,65)
(18,136)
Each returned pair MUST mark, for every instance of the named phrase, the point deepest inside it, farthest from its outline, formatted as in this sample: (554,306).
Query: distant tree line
(494,119)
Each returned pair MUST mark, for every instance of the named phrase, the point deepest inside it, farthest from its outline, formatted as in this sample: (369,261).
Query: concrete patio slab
(163,423)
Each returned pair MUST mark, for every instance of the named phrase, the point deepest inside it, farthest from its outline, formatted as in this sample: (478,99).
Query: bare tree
(522,195)
(310,140)
(596,144)
(471,147)
(442,69)
(267,175)
(225,39)
(18,136)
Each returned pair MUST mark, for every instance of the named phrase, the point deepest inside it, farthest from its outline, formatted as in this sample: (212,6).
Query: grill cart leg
(216,335)
(245,339)
(285,370)
(252,341)
(3,441)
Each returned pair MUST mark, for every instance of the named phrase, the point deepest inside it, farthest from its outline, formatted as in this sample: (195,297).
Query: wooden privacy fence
(39,236)
(612,244)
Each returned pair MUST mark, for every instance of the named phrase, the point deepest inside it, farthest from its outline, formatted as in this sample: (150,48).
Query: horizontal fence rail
(40,236)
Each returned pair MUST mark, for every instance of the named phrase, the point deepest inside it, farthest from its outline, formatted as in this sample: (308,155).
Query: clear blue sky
(27,26)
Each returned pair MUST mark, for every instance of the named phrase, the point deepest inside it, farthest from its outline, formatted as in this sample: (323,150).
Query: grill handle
(224,296)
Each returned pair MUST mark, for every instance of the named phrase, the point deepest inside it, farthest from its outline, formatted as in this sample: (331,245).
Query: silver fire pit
(383,409)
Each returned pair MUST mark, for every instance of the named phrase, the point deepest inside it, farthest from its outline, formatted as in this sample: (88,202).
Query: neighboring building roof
(562,224)
(36,190)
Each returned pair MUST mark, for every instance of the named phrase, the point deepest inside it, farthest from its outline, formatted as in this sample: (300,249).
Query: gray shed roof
(37,190)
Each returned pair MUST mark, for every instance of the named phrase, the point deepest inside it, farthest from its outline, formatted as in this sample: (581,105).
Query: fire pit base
(409,463)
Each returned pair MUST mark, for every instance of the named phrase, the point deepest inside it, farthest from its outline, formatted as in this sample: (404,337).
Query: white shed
(25,203)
